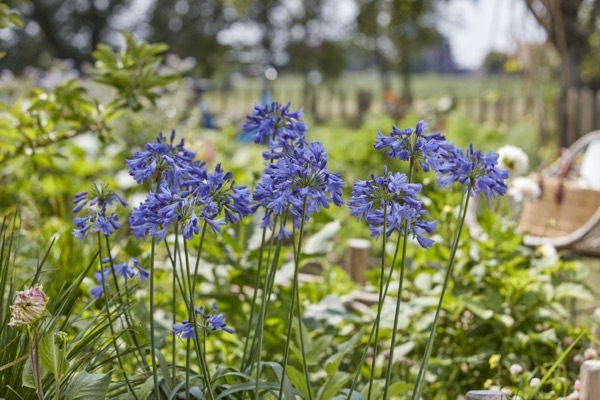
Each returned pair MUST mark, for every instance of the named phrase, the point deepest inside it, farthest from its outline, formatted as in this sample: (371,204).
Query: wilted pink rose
(29,306)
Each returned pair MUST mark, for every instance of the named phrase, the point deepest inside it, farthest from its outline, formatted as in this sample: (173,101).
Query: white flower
(516,369)
(513,159)
(522,188)
(534,382)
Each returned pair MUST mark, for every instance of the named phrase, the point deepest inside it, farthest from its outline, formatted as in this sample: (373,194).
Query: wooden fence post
(485,395)
(589,380)
(358,256)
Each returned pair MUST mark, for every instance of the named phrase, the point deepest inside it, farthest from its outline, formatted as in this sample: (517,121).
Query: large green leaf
(333,362)
(86,386)
(28,375)
(52,359)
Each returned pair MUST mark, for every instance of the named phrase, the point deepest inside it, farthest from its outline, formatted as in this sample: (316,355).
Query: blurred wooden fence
(348,105)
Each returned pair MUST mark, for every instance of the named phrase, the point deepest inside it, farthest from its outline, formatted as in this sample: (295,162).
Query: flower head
(120,269)
(207,322)
(415,145)
(475,168)
(28,307)
(277,125)
(296,177)
(185,330)
(389,202)
(513,159)
(165,162)
(202,200)
(99,220)
(100,196)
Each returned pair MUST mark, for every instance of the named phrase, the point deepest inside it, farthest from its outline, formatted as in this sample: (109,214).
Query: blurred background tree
(570,26)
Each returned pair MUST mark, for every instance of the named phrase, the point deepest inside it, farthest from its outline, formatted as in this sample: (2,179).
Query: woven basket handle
(564,166)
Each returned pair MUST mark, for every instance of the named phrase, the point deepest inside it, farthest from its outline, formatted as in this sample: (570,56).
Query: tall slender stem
(128,318)
(396,314)
(192,315)
(399,295)
(380,302)
(110,323)
(35,361)
(152,336)
(364,356)
(254,295)
(267,289)
(423,368)
(296,300)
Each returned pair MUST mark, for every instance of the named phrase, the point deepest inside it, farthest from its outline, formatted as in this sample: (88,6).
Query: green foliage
(132,72)
(9,17)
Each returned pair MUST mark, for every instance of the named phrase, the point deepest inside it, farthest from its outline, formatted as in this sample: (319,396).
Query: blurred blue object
(265,98)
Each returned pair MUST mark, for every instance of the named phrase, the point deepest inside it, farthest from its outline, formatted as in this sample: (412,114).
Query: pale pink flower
(29,306)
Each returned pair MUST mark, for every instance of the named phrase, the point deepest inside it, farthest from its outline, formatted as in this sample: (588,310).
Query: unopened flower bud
(29,306)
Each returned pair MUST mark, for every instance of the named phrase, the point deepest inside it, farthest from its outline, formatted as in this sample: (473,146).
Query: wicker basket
(562,208)
(566,214)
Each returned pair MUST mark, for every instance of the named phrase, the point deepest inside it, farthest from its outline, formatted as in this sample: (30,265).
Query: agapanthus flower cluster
(416,146)
(391,201)
(207,322)
(28,307)
(296,177)
(120,269)
(276,125)
(98,219)
(166,163)
(473,167)
(201,199)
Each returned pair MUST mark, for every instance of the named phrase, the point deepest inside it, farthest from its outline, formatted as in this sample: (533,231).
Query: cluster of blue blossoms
(98,199)
(296,183)
(119,269)
(206,322)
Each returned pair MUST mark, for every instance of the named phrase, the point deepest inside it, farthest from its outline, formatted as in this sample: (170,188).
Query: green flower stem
(198,256)
(423,368)
(174,309)
(152,336)
(254,296)
(193,319)
(379,303)
(128,317)
(188,350)
(397,313)
(110,323)
(35,360)
(267,290)
(364,356)
(296,299)
(399,296)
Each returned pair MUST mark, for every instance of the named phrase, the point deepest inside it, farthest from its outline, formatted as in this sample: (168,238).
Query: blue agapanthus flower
(475,168)
(98,199)
(185,330)
(100,196)
(391,199)
(426,149)
(166,163)
(208,322)
(120,269)
(298,176)
(201,200)
(276,125)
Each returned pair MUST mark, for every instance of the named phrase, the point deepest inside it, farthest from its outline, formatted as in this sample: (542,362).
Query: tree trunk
(567,122)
